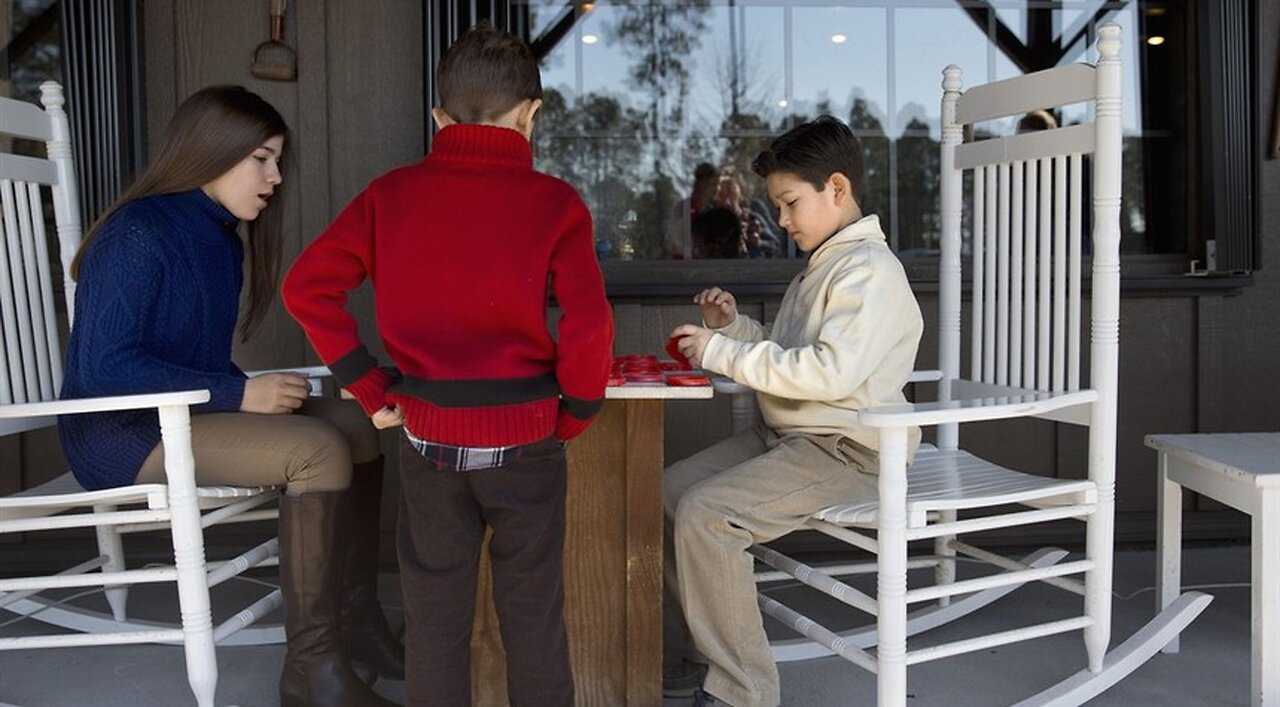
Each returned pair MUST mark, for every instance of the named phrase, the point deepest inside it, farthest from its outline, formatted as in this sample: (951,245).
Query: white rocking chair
(1025,333)
(30,377)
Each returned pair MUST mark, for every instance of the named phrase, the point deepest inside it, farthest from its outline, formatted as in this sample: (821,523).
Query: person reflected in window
(759,236)
(158,278)
(679,238)
(717,234)
(1037,120)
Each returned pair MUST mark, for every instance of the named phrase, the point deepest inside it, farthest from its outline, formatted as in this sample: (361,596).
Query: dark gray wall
(1189,362)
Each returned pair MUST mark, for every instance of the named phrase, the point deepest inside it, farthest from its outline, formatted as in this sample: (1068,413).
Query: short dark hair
(1037,120)
(814,151)
(485,73)
(706,170)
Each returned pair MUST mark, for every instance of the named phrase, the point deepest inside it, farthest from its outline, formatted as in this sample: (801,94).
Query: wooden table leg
(644,552)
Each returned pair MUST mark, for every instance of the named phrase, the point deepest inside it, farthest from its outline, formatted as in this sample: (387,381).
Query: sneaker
(683,680)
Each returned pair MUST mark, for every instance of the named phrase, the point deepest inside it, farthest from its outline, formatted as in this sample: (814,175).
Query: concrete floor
(1211,669)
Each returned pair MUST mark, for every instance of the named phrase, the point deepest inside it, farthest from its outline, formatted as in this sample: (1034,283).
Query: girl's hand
(692,342)
(274,393)
(719,308)
(391,416)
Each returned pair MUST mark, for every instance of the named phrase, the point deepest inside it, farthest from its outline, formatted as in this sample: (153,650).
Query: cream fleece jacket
(845,338)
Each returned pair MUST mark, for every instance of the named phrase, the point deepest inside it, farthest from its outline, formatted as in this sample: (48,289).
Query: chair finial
(1109,42)
(51,95)
(952,78)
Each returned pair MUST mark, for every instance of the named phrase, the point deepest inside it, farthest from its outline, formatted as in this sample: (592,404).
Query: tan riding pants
(309,450)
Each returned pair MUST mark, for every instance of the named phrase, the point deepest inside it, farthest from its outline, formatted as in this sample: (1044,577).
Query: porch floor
(1211,669)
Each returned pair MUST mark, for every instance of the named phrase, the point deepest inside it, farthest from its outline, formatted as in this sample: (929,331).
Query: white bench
(1242,471)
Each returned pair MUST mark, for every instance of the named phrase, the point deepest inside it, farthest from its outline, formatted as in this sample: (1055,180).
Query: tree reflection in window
(639,93)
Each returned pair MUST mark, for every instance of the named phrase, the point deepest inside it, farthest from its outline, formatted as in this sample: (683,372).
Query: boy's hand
(391,416)
(692,342)
(719,308)
(274,393)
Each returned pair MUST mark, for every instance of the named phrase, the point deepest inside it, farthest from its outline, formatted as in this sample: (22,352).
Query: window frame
(1226,87)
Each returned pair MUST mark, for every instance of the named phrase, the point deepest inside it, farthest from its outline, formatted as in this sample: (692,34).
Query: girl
(159,277)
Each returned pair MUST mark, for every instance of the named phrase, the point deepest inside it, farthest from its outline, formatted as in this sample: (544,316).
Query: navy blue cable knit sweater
(156,308)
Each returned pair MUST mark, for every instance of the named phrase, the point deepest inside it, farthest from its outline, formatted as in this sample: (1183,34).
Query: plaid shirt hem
(463,458)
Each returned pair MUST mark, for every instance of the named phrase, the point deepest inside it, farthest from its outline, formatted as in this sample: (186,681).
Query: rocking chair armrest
(924,376)
(119,402)
(1028,404)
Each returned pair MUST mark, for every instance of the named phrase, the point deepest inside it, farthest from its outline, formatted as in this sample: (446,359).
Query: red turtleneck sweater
(463,249)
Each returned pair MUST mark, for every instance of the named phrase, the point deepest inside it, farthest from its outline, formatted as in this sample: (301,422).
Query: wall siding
(356,111)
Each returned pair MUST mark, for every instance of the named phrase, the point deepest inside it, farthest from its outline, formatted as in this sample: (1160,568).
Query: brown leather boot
(368,638)
(316,671)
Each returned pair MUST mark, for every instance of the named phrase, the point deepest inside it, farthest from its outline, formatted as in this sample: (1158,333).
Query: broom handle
(277,20)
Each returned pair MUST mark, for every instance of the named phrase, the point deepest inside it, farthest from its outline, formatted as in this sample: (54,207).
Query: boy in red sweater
(463,249)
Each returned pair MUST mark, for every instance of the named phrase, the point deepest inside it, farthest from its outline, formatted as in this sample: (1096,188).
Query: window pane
(839,62)
(925,42)
(644,96)
(40,59)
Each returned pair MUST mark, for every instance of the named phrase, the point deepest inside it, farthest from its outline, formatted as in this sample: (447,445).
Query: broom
(273,59)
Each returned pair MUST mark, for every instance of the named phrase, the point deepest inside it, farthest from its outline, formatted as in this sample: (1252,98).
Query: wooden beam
(544,43)
(1005,40)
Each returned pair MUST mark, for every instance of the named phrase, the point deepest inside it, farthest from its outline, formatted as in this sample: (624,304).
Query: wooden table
(1242,471)
(613,560)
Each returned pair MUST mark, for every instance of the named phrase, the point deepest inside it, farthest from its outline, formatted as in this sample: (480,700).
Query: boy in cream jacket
(845,338)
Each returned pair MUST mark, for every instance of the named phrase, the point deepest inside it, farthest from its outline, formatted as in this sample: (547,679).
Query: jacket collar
(865,228)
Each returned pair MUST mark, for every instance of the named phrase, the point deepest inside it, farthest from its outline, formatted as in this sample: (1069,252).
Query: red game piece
(643,377)
(674,351)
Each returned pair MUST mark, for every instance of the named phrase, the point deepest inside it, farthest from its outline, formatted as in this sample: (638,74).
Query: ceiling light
(590,39)
(782,103)
(1155,41)
(838,39)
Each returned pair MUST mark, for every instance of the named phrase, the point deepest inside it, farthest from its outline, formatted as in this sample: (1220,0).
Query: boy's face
(809,216)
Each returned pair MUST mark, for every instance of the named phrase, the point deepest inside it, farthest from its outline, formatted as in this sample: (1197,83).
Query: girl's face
(729,193)
(245,188)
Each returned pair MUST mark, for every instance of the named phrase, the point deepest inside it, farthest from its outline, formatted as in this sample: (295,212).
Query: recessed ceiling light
(590,39)
(838,39)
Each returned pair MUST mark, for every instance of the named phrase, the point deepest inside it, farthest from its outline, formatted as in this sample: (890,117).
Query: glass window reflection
(655,109)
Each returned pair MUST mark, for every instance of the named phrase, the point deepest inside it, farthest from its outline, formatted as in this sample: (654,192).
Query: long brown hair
(211,132)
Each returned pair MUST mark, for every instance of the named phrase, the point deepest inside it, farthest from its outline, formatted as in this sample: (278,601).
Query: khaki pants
(751,488)
(309,450)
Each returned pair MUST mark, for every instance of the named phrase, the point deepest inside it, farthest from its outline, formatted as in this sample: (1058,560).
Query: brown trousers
(443,516)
